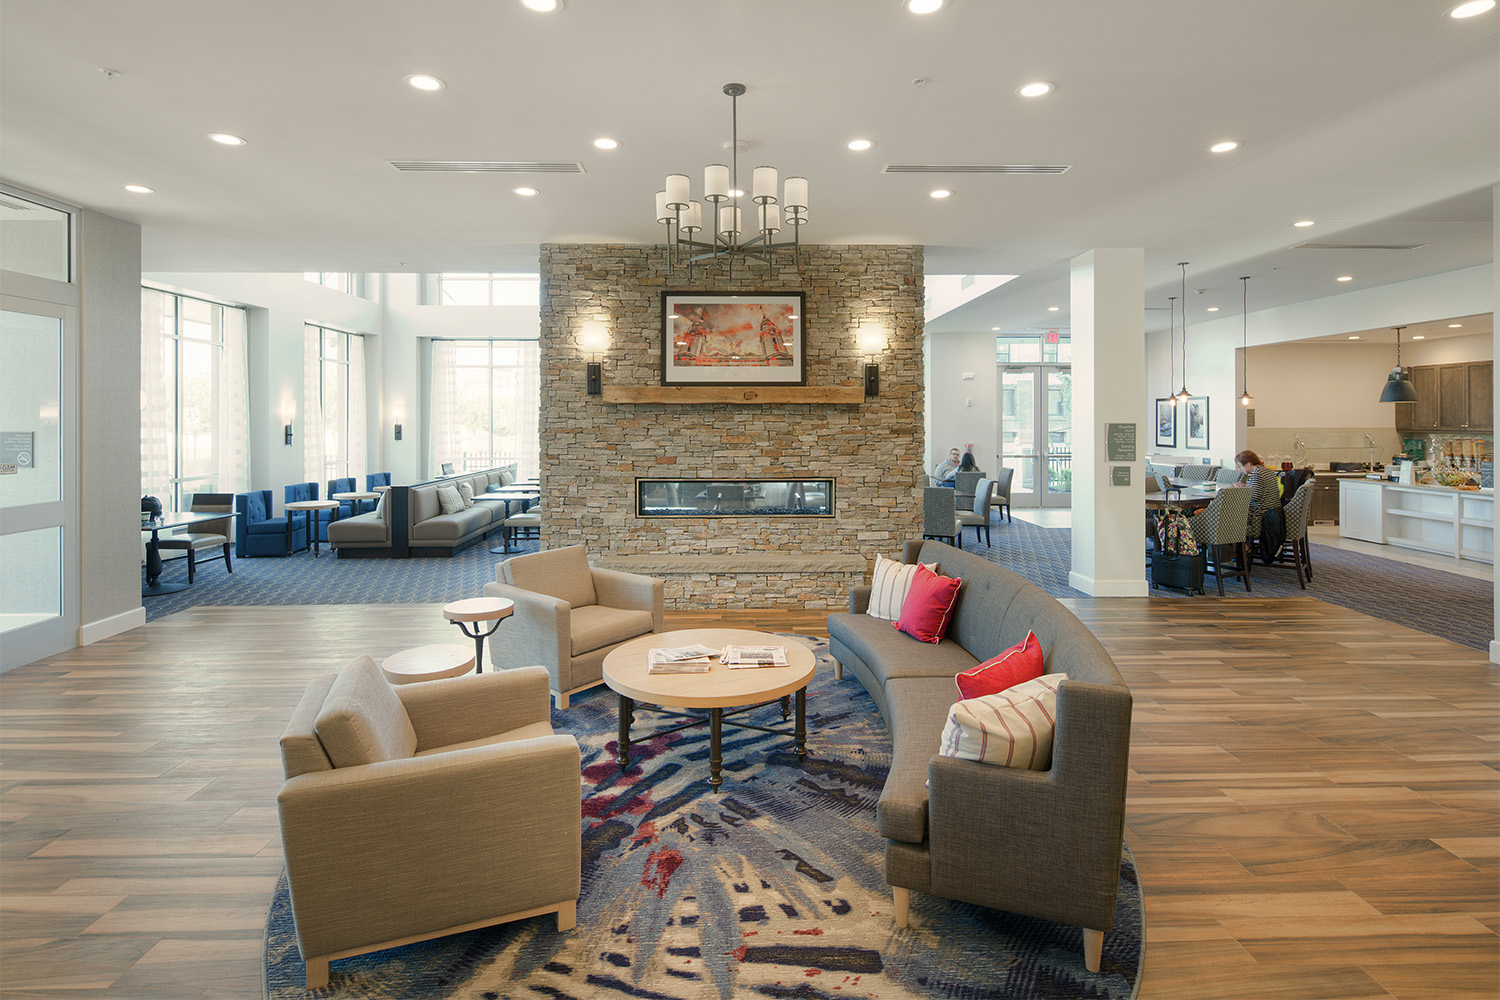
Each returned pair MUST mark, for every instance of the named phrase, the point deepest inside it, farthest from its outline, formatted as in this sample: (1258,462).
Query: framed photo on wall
(1196,429)
(738,338)
(1166,423)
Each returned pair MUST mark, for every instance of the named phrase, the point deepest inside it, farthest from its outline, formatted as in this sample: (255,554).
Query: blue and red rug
(774,887)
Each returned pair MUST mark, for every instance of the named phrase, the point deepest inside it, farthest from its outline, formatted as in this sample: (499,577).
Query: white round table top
(478,609)
(429,663)
(381,489)
(354,496)
(626,672)
(311,504)
(513,489)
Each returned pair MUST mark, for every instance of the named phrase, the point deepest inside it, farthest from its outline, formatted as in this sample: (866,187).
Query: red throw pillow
(1018,664)
(929,605)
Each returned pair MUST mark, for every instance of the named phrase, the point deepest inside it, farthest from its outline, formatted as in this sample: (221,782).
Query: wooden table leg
(802,722)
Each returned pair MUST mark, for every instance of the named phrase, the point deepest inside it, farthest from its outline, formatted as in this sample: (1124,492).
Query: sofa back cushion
(422,503)
(362,721)
(560,573)
(301,751)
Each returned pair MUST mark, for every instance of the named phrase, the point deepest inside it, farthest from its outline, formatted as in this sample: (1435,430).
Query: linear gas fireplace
(734,497)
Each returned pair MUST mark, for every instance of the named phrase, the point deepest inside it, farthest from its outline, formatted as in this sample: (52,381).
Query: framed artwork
(1166,423)
(1196,430)
(739,338)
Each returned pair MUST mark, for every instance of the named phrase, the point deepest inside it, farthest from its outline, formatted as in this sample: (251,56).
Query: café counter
(1457,523)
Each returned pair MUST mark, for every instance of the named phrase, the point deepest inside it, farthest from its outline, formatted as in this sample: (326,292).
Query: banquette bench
(410,520)
(1040,843)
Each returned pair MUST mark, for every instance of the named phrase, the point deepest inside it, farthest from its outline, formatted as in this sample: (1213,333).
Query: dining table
(522,494)
(164,521)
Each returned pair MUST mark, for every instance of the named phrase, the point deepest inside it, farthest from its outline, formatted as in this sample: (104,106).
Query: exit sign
(1051,336)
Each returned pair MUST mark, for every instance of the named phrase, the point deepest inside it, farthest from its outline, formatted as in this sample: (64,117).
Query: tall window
(194,398)
(489,289)
(334,395)
(485,404)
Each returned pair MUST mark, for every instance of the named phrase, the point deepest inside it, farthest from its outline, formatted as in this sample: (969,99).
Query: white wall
(1446,350)
(962,410)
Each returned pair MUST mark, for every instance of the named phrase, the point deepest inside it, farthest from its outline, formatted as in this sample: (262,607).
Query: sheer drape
(233,424)
(312,406)
(358,460)
(445,430)
(158,395)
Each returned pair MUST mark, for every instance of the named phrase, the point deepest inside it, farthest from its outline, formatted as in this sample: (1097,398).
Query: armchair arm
(475,706)
(859,600)
(407,847)
(616,589)
(538,631)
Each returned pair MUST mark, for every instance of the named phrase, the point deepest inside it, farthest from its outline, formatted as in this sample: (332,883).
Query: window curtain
(233,424)
(157,393)
(444,438)
(358,460)
(312,406)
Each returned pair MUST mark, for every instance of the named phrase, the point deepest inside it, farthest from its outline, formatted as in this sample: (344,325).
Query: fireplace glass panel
(734,497)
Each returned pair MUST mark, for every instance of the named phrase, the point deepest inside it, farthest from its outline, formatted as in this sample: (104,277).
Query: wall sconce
(288,411)
(594,339)
(871,341)
(398,417)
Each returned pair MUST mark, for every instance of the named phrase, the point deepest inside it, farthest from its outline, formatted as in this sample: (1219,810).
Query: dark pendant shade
(1398,388)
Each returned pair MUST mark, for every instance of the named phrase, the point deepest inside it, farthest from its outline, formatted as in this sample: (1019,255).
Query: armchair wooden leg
(838,670)
(1093,949)
(567,915)
(560,700)
(317,973)
(903,904)
(228,564)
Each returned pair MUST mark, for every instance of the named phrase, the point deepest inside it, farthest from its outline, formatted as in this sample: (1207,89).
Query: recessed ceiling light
(226,139)
(860,145)
(542,6)
(604,142)
(1419,337)
(1053,309)
(1472,9)
(995,328)
(525,192)
(1303,224)
(1037,89)
(1213,309)
(1455,326)
(1346,277)
(422,81)
(924,6)
(139,189)
(942,193)
(1354,336)
(1228,145)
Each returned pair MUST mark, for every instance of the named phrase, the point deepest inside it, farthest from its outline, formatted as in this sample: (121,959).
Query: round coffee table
(467,615)
(428,663)
(310,508)
(742,689)
(357,498)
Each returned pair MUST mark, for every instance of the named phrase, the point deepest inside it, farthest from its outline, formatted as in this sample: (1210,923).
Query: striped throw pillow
(889,585)
(449,502)
(1013,728)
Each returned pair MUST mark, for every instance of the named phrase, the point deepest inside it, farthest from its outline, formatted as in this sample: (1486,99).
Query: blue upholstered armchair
(257,533)
(374,479)
(346,507)
(308,491)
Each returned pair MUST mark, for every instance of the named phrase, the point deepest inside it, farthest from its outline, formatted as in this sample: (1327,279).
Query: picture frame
(733,338)
(1195,427)
(1166,423)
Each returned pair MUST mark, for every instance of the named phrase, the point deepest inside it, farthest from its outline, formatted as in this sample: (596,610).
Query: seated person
(942,475)
(1265,495)
(968,464)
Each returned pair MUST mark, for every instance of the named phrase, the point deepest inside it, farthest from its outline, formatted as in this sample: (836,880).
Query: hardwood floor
(1314,805)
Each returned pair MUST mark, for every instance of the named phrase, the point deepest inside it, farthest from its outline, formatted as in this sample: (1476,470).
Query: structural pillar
(1109,387)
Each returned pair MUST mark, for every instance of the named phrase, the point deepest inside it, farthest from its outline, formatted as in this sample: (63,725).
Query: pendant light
(1182,394)
(1171,346)
(1398,387)
(1245,396)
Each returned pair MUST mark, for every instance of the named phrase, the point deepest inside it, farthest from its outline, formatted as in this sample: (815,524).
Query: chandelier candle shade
(728,239)
(1183,395)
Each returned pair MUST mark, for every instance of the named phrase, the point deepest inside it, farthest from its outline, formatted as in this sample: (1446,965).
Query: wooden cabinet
(1450,398)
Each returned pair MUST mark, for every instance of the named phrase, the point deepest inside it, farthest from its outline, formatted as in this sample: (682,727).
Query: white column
(1495,235)
(1109,385)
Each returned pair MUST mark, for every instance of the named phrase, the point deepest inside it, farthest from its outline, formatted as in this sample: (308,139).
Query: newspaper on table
(680,659)
(738,657)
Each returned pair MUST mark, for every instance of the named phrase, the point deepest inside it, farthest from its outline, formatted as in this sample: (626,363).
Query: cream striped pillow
(888,586)
(1013,728)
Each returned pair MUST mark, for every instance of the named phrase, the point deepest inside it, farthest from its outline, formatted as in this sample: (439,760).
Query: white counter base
(1457,523)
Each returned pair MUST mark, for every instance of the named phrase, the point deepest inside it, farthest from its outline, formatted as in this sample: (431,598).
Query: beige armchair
(414,812)
(569,615)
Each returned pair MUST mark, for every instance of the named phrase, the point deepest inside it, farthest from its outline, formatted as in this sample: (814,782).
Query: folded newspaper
(680,660)
(737,657)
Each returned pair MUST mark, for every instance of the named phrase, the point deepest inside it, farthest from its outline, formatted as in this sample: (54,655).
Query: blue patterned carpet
(773,888)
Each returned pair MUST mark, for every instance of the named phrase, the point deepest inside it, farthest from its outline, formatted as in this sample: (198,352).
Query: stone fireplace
(867,450)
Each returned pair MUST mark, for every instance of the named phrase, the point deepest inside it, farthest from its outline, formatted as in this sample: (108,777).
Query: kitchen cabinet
(1453,396)
(1325,500)
(1458,523)
(1481,396)
(1450,398)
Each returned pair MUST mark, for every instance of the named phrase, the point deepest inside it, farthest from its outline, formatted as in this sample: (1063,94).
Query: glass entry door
(1036,433)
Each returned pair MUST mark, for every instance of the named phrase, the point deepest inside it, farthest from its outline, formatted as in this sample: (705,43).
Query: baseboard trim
(113,625)
(1494,651)
(1108,588)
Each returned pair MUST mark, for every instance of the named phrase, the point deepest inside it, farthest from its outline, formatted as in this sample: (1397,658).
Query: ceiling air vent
(977,168)
(486,167)
(1359,246)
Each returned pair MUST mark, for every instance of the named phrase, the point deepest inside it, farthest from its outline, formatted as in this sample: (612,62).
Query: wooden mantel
(751,394)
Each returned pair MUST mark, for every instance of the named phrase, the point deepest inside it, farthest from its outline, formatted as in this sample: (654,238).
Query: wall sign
(1119,475)
(1120,441)
(17,448)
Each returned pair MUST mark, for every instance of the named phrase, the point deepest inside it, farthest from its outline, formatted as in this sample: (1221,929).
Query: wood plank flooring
(1314,801)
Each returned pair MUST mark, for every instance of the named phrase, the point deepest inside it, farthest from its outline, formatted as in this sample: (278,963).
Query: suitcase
(1181,572)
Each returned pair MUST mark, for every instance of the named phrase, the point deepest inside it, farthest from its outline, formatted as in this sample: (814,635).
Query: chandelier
(727,238)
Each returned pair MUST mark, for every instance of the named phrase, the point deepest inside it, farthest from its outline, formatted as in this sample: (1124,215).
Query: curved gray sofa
(411,522)
(1041,843)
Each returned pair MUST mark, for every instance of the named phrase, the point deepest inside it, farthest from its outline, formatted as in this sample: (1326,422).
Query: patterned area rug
(772,888)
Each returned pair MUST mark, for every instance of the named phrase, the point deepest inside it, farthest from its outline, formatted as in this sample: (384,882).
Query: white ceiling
(1377,118)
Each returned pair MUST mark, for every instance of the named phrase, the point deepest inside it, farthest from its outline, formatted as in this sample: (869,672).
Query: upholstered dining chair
(298,492)
(965,485)
(1000,498)
(1295,515)
(206,535)
(569,615)
(1197,473)
(374,479)
(1221,525)
(979,516)
(418,811)
(939,519)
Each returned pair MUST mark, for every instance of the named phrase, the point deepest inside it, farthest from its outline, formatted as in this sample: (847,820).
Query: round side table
(309,508)
(428,663)
(468,614)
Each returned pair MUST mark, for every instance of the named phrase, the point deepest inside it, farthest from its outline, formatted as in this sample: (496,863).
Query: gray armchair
(415,812)
(979,517)
(206,535)
(1001,498)
(965,485)
(570,615)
